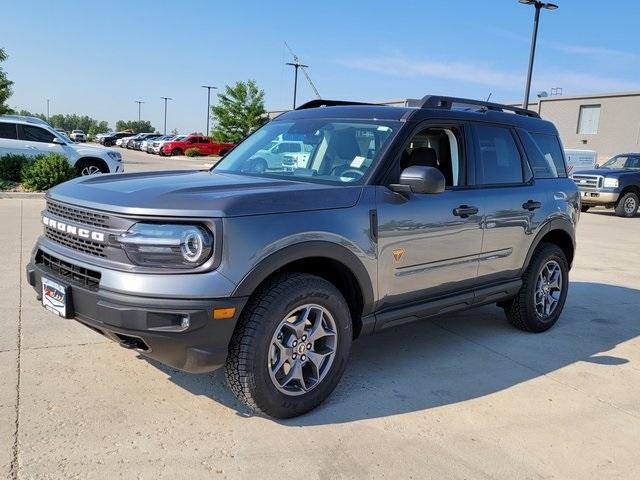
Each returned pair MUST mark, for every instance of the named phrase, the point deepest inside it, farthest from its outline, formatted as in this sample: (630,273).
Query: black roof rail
(436,101)
(329,103)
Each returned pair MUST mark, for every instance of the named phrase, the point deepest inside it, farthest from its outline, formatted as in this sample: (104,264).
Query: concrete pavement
(459,396)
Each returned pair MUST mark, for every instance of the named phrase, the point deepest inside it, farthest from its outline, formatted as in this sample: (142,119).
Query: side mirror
(59,141)
(419,179)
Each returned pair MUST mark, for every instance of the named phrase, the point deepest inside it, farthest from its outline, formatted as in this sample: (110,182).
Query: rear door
(512,204)
(9,143)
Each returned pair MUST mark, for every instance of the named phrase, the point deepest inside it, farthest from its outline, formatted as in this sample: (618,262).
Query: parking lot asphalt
(458,396)
(136,161)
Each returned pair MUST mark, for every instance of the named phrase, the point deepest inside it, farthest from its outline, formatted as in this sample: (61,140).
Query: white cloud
(572,82)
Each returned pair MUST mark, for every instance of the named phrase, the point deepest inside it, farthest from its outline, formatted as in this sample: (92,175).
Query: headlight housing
(610,183)
(167,245)
(115,155)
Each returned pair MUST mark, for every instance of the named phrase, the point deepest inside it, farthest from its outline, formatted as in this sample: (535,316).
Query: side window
(8,131)
(633,162)
(550,148)
(439,147)
(499,159)
(37,134)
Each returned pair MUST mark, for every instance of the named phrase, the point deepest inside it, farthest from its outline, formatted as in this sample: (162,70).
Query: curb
(23,195)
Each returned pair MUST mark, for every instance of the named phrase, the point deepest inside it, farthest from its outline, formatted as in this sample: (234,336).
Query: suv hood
(90,150)
(604,172)
(201,194)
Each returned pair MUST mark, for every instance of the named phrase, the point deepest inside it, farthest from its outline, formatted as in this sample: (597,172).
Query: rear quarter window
(549,148)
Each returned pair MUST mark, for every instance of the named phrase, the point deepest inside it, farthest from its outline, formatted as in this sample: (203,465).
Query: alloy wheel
(302,349)
(630,205)
(90,170)
(548,289)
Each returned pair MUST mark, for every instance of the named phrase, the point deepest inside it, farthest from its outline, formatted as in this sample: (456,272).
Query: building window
(588,119)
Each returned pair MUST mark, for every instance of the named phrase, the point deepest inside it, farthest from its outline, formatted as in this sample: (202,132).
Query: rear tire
(280,364)
(539,303)
(627,205)
(584,208)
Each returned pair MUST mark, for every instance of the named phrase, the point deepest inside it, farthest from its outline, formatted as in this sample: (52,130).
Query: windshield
(615,162)
(324,150)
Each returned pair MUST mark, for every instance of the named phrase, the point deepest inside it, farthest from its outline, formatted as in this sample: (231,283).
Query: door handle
(464,211)
(531,205)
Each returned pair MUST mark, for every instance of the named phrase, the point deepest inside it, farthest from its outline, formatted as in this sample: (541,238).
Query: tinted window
(8,130)
(37,134)
(498,155)
(633,162)
(549,146)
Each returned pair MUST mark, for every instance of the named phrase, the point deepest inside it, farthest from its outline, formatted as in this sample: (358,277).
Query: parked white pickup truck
(281,155)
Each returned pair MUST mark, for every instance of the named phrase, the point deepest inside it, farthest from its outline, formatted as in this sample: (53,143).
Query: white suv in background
(31,136)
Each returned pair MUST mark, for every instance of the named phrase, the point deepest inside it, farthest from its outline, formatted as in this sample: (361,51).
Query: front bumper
(151,326)
(598,197)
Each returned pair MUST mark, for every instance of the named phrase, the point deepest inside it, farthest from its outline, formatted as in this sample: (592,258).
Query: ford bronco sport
(398,214)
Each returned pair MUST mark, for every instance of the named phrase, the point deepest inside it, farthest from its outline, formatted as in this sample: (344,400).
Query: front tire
(176,152)
(542,296)
(584,208)
(627,205)
(290,346)
(91,167)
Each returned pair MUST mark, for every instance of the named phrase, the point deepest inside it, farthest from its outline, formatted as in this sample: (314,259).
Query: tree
(5,86)
(69,122)
(137,126)
(240,111)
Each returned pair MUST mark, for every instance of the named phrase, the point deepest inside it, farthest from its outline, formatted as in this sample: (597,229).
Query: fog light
(184,324)
(224,313)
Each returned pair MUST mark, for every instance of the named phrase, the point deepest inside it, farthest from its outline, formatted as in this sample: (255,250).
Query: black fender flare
(563,224)
(299,251)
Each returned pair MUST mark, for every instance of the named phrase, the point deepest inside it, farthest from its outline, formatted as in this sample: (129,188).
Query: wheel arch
(327,260)
(630,189)
(84,160)
(560,232)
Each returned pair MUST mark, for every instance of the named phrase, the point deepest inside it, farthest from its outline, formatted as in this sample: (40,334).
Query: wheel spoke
(316,359)
(295,374)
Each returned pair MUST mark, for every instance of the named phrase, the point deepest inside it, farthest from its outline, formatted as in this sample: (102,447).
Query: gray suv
(397,214)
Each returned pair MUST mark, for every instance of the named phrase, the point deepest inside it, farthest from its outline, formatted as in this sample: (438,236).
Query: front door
(429,244)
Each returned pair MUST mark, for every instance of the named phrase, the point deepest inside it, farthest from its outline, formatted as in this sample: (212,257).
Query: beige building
(608,123)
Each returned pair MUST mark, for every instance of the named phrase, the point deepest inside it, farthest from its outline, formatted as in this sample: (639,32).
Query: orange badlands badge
(398,253)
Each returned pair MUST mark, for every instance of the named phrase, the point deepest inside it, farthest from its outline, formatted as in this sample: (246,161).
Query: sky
(98,58)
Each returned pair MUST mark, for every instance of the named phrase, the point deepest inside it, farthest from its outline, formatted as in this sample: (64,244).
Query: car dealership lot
(136,161)
(459,396)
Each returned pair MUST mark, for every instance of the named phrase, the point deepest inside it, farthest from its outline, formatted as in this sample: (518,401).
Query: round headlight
(192,246)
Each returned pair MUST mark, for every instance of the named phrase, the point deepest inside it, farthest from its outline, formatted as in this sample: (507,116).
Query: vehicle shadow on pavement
(453,358)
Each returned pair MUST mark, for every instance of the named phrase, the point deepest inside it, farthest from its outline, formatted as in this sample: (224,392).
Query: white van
(580,160)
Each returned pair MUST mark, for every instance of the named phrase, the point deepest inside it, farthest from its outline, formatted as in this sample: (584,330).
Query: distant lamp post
(208,87)
(165,112)
(139,102)
(47,109)
(296,65)
(534,36)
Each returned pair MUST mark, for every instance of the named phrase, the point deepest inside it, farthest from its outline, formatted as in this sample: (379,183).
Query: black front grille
(68,271)
(79,244)
(80,215)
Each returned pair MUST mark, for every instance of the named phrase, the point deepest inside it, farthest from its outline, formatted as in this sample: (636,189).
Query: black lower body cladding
(153,326)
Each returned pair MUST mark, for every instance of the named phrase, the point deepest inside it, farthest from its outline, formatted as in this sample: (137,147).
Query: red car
(204,145)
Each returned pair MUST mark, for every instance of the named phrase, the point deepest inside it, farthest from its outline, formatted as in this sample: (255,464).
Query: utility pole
(165,112)
(296,65)
(208,87)
(139,102)
(534,37)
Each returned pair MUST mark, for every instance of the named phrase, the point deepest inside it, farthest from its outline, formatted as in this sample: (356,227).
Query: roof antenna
(488,97)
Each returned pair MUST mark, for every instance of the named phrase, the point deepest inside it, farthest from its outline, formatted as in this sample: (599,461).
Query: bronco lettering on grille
(73,230)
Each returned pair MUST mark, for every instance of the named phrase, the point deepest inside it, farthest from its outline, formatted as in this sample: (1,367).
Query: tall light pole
(139,102)
(165,112)
(208,87)
(47,109)
(296,66)
(534,36)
